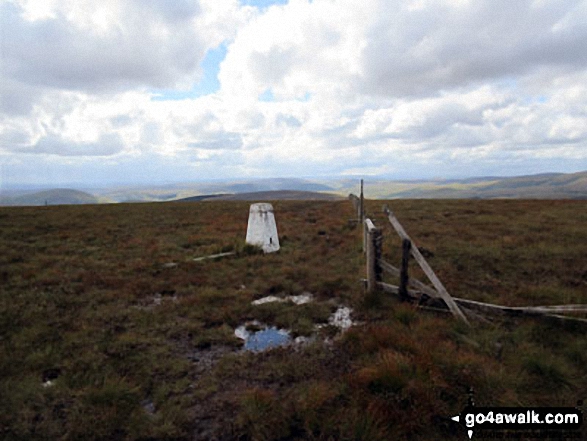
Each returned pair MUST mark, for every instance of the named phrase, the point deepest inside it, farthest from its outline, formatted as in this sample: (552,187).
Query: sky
(151,91)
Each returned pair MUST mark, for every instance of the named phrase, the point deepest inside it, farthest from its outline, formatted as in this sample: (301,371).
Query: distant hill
(179,191)
(542,186)
(276,184)
(58,196)
(267,196)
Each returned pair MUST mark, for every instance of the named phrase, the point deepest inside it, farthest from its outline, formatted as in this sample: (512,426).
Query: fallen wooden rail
(214,256)
(517,311)
(419,288)
(414,283)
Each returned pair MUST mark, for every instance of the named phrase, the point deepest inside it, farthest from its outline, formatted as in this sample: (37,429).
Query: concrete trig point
(262,230)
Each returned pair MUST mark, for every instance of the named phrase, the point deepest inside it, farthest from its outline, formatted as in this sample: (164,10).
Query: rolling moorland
(544,186)
(110,330)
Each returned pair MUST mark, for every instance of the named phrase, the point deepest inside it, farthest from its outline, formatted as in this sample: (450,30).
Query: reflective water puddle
(259,337)
(265,338)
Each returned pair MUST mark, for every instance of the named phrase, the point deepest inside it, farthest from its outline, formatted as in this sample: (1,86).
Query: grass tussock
(101,338)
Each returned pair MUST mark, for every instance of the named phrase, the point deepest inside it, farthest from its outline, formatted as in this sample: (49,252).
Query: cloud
(62,53)
(288,120)
(17,98)
(111,45)
(106,145)
(417,51)
(219,141)
(399,48)
(410,88)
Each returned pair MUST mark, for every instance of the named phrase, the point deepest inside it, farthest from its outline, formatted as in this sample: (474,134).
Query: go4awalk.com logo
(545,420)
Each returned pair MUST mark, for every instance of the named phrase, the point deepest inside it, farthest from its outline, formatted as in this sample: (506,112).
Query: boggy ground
(101,339)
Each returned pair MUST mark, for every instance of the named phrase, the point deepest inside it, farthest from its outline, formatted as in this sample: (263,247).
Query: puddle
(341,318)
(266,338)
(148,406)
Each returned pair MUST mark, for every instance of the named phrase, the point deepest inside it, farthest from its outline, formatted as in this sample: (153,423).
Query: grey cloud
(219,141)
(54,53)
(17,98)
(201,124)
(107,145)
(151,133)
(120,121)
(11,139)
(252,119)
(420,52)
(467,136)
(442,118)
(175,11)
(271,67)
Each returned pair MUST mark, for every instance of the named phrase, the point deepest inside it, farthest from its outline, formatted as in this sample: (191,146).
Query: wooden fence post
(373,255)
(362,205)
(404,277)
(361,214)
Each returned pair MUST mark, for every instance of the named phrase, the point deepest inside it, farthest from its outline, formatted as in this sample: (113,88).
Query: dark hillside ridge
(281,195)
(58,196)
(202,197)
(542,186)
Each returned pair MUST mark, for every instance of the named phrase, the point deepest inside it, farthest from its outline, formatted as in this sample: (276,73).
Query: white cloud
(416,88)
(112,45)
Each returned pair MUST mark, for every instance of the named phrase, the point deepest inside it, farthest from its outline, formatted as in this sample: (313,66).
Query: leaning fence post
(444,295)
(404,277)
(373,255)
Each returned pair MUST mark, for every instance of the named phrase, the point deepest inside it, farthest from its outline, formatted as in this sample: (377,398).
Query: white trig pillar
(262,230)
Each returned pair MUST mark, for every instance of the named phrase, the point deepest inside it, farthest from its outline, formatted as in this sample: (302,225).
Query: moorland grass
(100,339)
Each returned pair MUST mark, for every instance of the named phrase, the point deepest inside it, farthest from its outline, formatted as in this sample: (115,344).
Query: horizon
(85,187)
(134,93)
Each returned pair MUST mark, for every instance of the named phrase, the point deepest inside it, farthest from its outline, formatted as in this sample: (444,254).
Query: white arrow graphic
(469,432)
